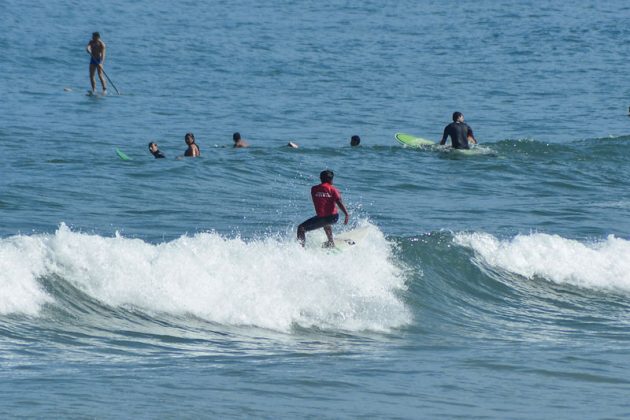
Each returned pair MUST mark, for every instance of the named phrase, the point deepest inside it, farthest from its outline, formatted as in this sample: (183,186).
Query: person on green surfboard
(460,133)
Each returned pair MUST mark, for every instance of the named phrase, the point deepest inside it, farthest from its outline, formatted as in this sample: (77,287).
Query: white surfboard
(348,239)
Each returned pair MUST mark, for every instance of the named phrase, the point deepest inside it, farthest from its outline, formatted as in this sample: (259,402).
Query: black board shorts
(319,222)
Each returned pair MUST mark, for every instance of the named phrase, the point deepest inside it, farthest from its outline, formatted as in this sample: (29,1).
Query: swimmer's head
(355,140)
(326,176)
(457,116)
(189,138)
(96,35)
(236,136)
(152,146)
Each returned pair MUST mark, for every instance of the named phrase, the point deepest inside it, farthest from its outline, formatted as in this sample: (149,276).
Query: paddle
(108,79)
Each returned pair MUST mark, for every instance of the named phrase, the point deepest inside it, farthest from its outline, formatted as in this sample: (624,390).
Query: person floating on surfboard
(326,198)
(96,49)
(460,133)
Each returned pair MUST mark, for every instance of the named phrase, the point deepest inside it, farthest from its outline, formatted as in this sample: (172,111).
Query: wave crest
(270,282)
(598,265)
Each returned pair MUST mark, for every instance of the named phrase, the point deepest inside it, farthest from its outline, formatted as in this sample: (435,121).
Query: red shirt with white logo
(325,197)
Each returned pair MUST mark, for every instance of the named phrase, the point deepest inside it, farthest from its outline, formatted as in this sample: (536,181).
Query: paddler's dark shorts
(319,222)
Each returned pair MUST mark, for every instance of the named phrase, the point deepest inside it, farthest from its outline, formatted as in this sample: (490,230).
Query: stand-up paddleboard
(412,141)
(122,155)
(95,94)
(349,239)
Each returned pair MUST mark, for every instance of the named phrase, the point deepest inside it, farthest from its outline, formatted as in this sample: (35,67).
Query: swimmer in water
(153,148)
(238,141)
(193,149)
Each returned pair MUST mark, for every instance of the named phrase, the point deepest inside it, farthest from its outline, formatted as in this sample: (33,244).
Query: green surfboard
(412,141)
(122,155)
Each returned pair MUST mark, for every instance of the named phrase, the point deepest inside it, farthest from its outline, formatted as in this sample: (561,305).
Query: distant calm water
(489,286)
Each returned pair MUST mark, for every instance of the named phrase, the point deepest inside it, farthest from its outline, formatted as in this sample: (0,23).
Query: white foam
(271,282)
(600,265)
(22,260)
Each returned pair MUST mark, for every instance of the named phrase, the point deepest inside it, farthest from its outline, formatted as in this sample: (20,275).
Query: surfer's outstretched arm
(343,209)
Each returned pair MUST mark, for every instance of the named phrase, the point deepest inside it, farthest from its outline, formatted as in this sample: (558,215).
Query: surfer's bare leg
(329,235)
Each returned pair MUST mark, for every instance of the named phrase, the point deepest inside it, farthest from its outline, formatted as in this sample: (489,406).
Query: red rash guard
(325,198)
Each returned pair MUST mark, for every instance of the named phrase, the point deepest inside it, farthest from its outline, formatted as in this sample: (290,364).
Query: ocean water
(495,285)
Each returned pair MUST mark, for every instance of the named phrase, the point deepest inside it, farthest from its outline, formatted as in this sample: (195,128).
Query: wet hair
(96,35)
(189,135)
(355,140)
(151,143)
(236,136)
(456,115)
(326,176)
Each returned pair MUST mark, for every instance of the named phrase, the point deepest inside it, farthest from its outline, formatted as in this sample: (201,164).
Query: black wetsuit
(459,133)
(158,154)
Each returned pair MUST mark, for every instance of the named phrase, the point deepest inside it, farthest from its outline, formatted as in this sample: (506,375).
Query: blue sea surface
(487,285)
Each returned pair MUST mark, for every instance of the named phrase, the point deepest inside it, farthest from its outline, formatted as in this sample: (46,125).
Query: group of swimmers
(460,133)
(193,149)
(239,142)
